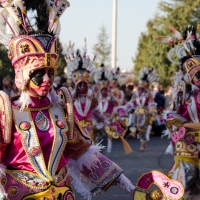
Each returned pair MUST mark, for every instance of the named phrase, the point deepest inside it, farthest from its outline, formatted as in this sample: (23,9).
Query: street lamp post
(114,34)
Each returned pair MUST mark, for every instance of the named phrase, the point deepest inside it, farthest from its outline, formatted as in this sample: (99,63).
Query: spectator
(14,90)
(5,86)
(160,99)
(154,89)
(129,92)
(168,97)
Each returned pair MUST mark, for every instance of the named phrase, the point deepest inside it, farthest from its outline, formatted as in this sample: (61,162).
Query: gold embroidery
(24,48)
(33,109)
(47,60)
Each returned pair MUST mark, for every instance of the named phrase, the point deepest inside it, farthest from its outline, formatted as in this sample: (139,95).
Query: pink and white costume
(42,151)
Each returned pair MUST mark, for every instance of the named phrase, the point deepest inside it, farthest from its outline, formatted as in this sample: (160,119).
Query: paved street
(136,163)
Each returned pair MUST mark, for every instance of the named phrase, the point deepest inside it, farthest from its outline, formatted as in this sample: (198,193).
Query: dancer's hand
(124,183)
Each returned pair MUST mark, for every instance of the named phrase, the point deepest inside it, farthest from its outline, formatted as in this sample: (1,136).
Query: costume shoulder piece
(76,146)
(68,102)
(5,118)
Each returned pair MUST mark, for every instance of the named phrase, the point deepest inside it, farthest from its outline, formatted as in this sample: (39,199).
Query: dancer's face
(104,92)
(41,82)
(82,87)
(140,89)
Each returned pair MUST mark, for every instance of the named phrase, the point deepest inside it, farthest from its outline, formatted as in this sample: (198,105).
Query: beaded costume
(79,69)
(144,107)
(182,117)
(42,151)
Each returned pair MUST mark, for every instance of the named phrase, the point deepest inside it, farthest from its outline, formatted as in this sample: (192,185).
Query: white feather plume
(89,160)
(24,101)
(170,149)
(56,29)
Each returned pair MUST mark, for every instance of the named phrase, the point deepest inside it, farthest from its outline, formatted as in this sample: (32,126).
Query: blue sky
(84,18)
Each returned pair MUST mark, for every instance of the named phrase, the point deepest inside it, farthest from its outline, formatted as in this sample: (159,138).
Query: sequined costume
(79,69)
(42,151)
(41,155)
(144,107)
(115,124)
(182,117)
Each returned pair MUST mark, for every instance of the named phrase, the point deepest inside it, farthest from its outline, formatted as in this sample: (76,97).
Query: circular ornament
(105,165)
(68,196)
(24,126)
(13,191)
(93,177)
(155,195)
(60,124)
(191,148)
(189,139)
(3,181)
(178,146)
(174,190)
(177,122)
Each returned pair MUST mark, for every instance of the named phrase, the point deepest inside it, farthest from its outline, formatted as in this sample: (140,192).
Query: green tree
(61,62)
(6,69)
(105,50)
(152,53)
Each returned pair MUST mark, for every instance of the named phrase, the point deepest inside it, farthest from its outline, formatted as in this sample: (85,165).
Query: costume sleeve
(77,146)
(92,173)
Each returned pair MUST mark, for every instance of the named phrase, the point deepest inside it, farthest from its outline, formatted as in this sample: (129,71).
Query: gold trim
(47,194)
(23,183)
(55,139)
(7,108)
(106,174)
(33,109)
(70,110)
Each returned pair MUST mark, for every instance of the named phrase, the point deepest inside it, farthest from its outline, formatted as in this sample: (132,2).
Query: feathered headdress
(148,76)
(124,79)
(186,46)
(79,65)
(29,29)
(103,77)
(116,74)
(153,76)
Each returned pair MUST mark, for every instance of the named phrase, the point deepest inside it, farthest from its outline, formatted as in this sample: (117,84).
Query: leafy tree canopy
(152,53)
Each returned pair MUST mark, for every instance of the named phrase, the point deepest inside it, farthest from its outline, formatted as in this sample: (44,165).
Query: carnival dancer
(143,104)
(115,125)
(42,151)
(182,118)
(125,81)
(103,77)
(140,101)
(79,69)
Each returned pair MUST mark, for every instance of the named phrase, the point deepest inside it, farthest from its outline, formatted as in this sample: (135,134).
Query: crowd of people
(8,86)
(121,91)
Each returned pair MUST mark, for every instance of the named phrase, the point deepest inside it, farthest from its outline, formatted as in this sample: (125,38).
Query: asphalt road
(136,163)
